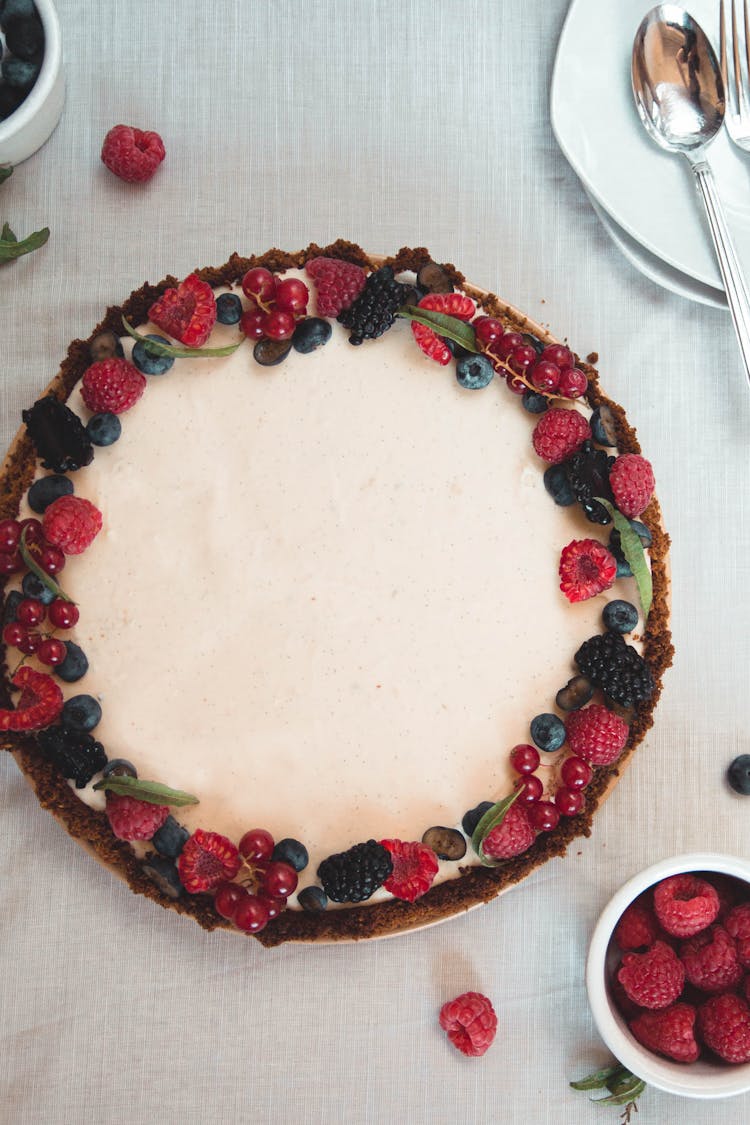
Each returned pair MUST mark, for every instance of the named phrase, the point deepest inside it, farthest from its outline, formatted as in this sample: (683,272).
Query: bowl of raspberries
(668,975)
(32,85)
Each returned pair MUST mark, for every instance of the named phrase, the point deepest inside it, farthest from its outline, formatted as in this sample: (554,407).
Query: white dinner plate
(649,193)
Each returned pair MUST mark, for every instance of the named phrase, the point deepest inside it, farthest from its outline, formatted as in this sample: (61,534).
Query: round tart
(352,630)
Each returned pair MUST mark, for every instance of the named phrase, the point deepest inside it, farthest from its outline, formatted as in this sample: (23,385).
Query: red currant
(522,357)
(573,383)
(576,773)
(545,375)
(259,284)
(34,532)
(292,295)
(531,788)
(62,614)
(251,323)
(505,345)
(256,845)
(30,612)
(274,906)
(569,801)
(10,534)
(544,816)
(251,914)
(227,899)
(278,325)
(51,560)
(51,651)
(10,563)
(280,880)
(515,384)
(558,354)
(30,644)
(524,758)
(487,329)
(14,634)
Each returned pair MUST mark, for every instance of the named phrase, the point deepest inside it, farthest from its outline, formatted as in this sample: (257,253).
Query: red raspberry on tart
(559,433)
(188,313)
(40,703)
(71,523)
(596,734)
(631,479)
(206,860)
(112,386)
(586,569)
(414,868)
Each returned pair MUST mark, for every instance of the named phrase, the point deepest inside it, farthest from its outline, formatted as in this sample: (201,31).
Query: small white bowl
(30,125)
(701,1079)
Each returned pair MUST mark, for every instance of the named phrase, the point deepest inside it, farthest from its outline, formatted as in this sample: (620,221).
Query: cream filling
(325,597)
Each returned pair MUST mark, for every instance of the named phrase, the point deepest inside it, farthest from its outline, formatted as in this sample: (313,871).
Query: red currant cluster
(49,558)
(551,372)
(262,888)
(275,305)
(23,633)
(575,774)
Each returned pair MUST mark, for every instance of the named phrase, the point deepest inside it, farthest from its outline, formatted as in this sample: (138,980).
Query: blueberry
(620,616)
(313,899)
(148,362)
(104,429)
(547,732)
(446,843)
(603,427)
(46,489)
(10,99)
(33,587)
(474,372)
(163,872)
(576,693)
(270,352)
(473,816)
(24,36)
(738,774)
(12,602)
(81,712)
(13,8)
(228,308)
(310,334)
(119,767)
(170,838)
(74,666)
(20,73)
(558,485)
(534,402)
(292,852)
(105,346)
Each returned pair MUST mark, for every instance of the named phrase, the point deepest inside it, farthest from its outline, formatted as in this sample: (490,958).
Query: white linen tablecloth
(402,122)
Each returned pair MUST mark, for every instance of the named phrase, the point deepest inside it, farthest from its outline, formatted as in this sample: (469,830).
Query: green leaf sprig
(444,325)
(155,348)
(42,575)
(10,247)
(490,820)
(151,791)
(624,1087)
(635,556)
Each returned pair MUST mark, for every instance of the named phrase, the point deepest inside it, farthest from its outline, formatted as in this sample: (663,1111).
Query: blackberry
(374,310)
(73,752)
(588,473)
(615,667)
(353,875)
(58,435)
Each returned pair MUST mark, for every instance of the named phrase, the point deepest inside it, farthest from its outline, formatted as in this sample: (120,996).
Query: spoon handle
(731,271)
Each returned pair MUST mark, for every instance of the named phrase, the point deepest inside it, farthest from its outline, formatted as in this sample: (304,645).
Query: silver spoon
(679,94)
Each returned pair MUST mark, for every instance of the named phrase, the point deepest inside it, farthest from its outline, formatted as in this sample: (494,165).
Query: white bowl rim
(672,1077)
(46,78)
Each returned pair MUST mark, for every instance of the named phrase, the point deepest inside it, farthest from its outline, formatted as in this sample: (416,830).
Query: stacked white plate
(646,198)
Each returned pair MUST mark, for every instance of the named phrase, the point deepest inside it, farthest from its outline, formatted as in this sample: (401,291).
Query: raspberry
(513,835)
(631,479)
(586,569)
(670,1032)
(71,523)
(40,703)
(653,979)
(338,284)
(206,860)
(471,1023)
(559,433)
(710,960)
(737,925)
(131,819)
(433,346)
(414,868)
(112,386)
(188,312)
(637,929)
(132,154)
(450,304)
(724,1024)
(685,905)
(596,734)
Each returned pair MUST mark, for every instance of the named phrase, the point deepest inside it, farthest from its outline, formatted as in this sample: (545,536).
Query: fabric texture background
(402,122)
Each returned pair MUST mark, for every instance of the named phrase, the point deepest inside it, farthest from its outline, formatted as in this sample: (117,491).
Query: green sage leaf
(625,1096)
(450,326)
(6,234)
(10,249)
(42,575)
(598,1079)
(632,549)
(151,791)
(173,350)
(490,820)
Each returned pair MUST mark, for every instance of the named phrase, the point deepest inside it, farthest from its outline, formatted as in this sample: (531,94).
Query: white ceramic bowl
(700,1079)
(28,128)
